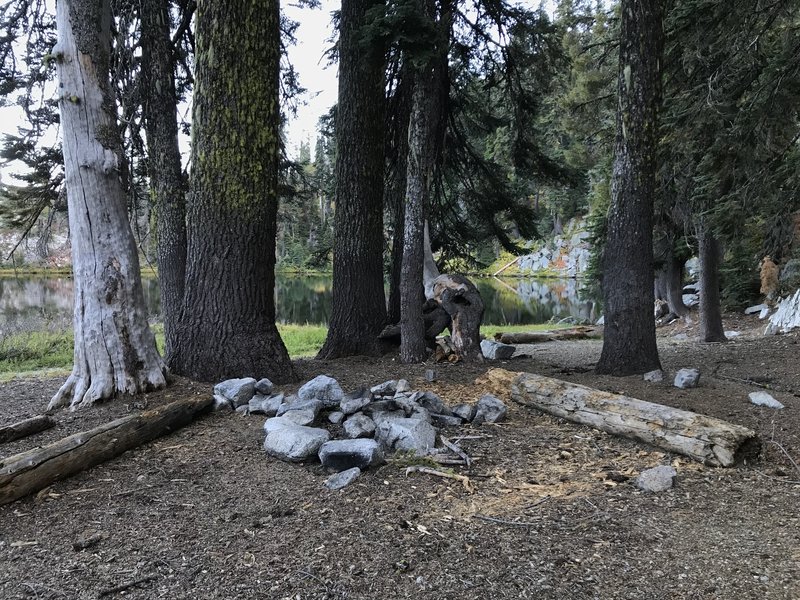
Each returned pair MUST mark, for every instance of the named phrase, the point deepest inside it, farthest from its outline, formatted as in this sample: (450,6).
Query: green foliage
(28,351)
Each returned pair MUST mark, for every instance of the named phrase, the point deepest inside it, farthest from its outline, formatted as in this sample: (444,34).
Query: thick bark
(227,326)
(711,329)
(461,299)
(710,440)
(669,278)
(629,341)
(358,304)
(115,351)
(164,159)
(21,429)
(31,471)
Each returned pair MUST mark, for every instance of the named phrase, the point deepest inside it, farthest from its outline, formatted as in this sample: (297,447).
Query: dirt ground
(204,513)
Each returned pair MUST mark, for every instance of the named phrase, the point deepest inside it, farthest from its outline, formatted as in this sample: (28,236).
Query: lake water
(33,302)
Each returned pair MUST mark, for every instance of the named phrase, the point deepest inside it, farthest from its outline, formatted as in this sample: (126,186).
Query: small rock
(496,351)
(464,411)
(222,404)
(336,417)
(601,321)
(243,410)
(323,388)
(340,455)
(238,391)
(657,479)
(387,388)
(402,387)
(654,376)
(294,443)
(751,310)
(412,435)
(763,314)
(342,479)
(430,375)
(267,405)
(732,334)
(359,425)
(264,387)
(764,399)
(355,401)
(489,409)
(687,378)
(446,420)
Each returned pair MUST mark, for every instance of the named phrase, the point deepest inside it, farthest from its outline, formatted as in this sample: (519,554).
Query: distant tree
(227,326)
(358,308)
(629,339)
(115,350)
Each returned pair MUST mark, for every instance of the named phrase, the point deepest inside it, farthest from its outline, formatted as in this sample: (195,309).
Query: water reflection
(47,301)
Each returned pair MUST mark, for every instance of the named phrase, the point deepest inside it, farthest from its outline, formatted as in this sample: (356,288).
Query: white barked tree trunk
(115,351)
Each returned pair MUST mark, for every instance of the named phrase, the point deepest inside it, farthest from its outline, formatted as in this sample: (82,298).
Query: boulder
(359,425)
(340,455)
(238,391)
(409,435)
(300,417)
(275,423)
(489,409)
(387,388)
(432,403)
(657,479)
(312,404)
(464,411)
(355,401)
(446,420)
(496,351)
(387,415)
(343,479)
(222,404)
(294,443)
(654,376)
(786,317)
(764,399)
(687,378)
(323,388)
(264,387)
(402,387)
(266,405)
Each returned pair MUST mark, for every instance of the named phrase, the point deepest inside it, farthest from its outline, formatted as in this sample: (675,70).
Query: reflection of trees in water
(30,303)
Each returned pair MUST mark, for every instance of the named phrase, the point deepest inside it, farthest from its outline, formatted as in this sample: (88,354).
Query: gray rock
(410,435)
(680,336)
(763,314)
(691,299)
(732,334)
(790,274)
(430,375)
(243,410)
(355,401)
(601,321)
(336,417)
(496,351)
(238,391)
(311,404)
(323,388)
(433,404)
(222,404)
(295,443)
(402,387)
(340,455)
(489,409)
(343,479)
(464,411)
(687,378)
(751,310)
(387,388)
(380,406)
(300,417)
(764,399)
(446,420)
(275,423)
(654,376)
(359,425)
(657,479)
(264,387)
(387,415)
(266,405)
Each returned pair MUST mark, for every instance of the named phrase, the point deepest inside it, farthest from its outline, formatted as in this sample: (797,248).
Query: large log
(538,337)
(710,440)
(26,427)
(31,471)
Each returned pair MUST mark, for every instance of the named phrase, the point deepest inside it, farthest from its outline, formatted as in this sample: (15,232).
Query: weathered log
(461,299)
(31,471)
(538,337)
(710,440)
(26,427)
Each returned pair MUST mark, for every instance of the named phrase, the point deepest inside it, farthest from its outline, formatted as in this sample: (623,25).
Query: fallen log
(710,440)
(538,337)
(31,471)
(26,427)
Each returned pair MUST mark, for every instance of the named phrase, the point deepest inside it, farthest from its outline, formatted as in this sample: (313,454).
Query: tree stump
(459,297)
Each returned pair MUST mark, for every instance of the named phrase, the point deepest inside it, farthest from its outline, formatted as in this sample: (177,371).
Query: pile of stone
(353,431)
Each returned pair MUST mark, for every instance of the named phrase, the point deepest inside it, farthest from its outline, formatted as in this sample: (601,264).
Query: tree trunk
(711,329)
(227,326)
(669,277)
(164,159)
(629,341)
(461,299)
(21,429)
(31,471)
(358,304)
(711,441)
(115,351)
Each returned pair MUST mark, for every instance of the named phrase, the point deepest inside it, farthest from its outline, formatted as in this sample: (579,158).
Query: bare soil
(204,513)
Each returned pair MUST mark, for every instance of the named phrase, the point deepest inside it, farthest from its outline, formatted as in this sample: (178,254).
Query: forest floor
(204,513)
